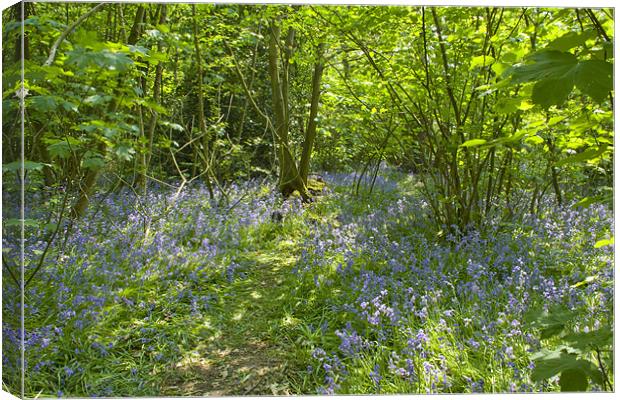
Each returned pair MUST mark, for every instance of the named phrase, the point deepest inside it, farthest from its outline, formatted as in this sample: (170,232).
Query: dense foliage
(457,239)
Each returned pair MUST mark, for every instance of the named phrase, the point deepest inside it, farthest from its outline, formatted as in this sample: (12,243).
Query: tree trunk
(304,163)
(201,114)
(289,177)
(156,95)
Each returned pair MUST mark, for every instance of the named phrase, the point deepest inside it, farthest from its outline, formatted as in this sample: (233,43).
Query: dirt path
(240,354)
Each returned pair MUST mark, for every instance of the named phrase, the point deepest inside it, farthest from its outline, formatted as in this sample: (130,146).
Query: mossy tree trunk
(289,179)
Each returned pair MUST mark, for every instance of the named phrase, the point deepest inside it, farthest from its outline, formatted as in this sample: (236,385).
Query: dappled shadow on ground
(244,356)
(240,371)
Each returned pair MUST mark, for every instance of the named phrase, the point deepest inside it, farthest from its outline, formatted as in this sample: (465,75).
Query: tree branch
(68,31)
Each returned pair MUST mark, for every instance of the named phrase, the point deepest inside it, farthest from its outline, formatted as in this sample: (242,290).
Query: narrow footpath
(241,353)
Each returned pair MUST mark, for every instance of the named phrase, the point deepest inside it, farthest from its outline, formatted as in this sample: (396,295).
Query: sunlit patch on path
(243,355)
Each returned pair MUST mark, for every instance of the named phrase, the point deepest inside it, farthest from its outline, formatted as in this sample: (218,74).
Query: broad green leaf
(594,78)
(584,282)
(44,103)
(61,148)
(550,322)
(124,152)
(92,161)
(104,60)
(17,222)
(556,73)
(573,380)
(583,156)
(534,140)
(499,68)
(601,338)
(163,28)
(69,106)
(550,364)
(507,105)
(138,49)
(604,242)
(17,165)
(481,61)
(97,99)
(525,105)
(473,143)
(86,38)
(571,40)
(586,201)
(549,92)
(543,65)
(555,120)
(156,57)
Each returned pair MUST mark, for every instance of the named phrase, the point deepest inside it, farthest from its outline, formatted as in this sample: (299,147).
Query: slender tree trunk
(250,84)
(17,13)
(156,99)
(201,115)
(304,163)
(136,29)
(86,188)
(289,177)
(554,174)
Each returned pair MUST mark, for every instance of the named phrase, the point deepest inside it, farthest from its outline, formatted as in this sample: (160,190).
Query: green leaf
(556,73)
(601,338)
(534,140)
(544,65)
(573,380)
(156,57)
(585,155)
(555,120)
(138,49)
(43,103)
(172,126)
(550,323)
(604,242)
(17,222)
(551,331)
(473,143)
(86,38)
(163,28)
(549,364)
(69,106)
(589,279)
(506,105)
(97,99)
(481,61)
(571,40)
(28,166)
(61,148)
(595,78)
(499,68)
(549,92)
(586,201)
(124,152)
(92,161)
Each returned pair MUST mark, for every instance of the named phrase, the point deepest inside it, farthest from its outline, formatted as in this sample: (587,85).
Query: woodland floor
(349,295)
